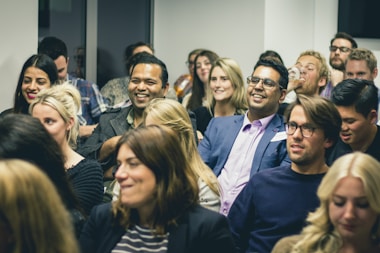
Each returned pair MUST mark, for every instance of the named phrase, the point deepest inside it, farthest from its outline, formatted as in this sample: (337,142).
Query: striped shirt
(139,239)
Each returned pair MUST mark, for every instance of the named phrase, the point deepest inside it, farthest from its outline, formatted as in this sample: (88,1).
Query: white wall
(19,36)
(239,29)
(243,29)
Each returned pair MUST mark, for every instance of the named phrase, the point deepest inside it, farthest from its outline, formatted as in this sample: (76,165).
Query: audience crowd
(285,160)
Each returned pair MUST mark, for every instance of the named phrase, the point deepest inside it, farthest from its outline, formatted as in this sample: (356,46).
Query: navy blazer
(220,136)
(199,230)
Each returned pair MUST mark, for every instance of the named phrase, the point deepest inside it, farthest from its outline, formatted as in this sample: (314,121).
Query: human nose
(121,173)
(141,85)
(297,133)
(32,85)
(349,211)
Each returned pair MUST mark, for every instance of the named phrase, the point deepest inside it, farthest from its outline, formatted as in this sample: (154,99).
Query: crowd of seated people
(278,161)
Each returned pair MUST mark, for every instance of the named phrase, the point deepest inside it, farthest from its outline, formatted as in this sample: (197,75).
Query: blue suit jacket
(220,136)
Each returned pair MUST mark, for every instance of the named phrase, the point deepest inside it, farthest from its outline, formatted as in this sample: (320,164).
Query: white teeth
(141,95)
(258,96)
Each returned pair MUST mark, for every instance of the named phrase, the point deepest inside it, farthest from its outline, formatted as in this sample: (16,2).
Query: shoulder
(286,244)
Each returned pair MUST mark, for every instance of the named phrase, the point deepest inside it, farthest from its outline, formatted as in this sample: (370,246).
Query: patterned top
(139,239)
(93,104)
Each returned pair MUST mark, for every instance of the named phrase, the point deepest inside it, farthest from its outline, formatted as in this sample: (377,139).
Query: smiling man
(357,101)
(148,80)
(236,147)
(275,202)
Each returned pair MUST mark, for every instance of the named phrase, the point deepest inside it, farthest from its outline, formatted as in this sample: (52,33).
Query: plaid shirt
(93,104)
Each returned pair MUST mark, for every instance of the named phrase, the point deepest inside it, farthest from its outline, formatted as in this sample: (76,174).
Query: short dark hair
(270,54)
(146,58)
(128,52)
(278,66)
(343,35)
(53,47)
(363,94)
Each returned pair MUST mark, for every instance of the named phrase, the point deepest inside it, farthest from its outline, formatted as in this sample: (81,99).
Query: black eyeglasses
(306,130)
(267,82)
(342,49)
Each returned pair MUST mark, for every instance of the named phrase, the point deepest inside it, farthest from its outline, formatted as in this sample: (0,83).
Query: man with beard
(340,47)
(275,202)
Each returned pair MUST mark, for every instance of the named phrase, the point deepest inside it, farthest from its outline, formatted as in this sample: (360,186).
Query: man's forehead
(151,68)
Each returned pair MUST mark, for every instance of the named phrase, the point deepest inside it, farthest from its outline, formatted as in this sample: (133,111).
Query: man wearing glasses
(275,202)
(340,47)
(236,147)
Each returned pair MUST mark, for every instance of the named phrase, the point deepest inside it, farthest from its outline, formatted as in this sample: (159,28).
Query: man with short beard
(340,47)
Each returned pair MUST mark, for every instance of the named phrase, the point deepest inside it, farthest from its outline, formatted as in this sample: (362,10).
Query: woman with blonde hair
(33,217)
(171,114)
(348,219)
(57,109)
(226,96)
(158,208)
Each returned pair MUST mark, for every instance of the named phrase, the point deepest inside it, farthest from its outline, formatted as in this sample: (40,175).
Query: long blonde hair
(171,113)
(232,70)
(320,235)
(33,212)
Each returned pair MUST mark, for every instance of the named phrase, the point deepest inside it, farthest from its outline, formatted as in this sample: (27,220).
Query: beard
(337,64)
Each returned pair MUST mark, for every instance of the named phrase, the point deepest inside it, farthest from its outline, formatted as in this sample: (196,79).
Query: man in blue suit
(236,147)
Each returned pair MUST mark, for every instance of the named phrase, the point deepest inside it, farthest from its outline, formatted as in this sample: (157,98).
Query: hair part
(66,100)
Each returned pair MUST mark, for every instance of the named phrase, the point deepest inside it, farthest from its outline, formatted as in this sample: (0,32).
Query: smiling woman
(158,207)
(38,72)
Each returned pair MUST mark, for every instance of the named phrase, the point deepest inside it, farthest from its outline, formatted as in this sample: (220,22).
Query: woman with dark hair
(157,209)
(24,137)
(38,72)
(198,96)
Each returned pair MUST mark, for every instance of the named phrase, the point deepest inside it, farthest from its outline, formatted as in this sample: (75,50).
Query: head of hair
(128,52)
(271,55)
(199,89)
(24,137)
(170,113)
(33,211)
(42,62)
(323,67)
(53,47)
(357,92)
(66,100)
(146,58)
(159,149)
(346,36)
(276,65)
(232,70)
(320,232)
(363,54)
(321,112)
(194,52)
